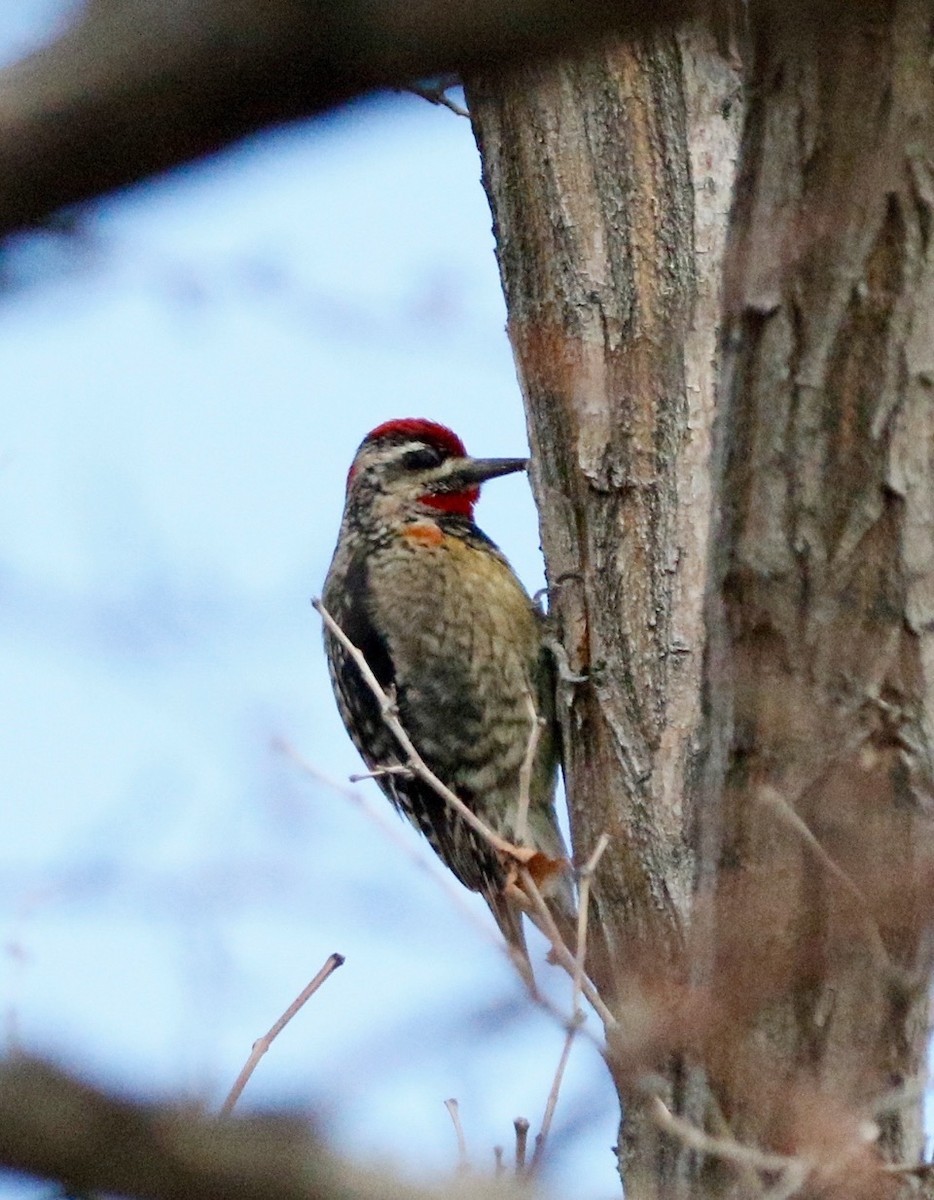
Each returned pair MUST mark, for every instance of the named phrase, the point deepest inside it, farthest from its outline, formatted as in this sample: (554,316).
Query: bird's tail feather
(509,906)
(508,915)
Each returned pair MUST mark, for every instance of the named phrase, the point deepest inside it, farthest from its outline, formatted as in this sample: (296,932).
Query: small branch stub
(522,1138)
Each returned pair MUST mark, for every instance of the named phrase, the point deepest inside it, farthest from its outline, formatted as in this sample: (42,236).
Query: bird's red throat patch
(459,503)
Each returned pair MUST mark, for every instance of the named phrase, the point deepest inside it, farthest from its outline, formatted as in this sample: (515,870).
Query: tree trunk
(764,899)
(611,276)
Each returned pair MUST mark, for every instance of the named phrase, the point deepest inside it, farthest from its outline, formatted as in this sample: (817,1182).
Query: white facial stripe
(393,452)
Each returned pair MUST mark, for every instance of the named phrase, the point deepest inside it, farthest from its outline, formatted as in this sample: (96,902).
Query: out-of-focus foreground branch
(53,1127)
(138,86)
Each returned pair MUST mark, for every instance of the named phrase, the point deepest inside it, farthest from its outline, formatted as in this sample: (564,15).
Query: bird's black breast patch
(359,627)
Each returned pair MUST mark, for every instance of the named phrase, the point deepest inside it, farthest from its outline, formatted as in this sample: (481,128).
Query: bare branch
(541,1138)
(415,762)
(261,1045)
(519,855)
(577,1018)
(463,1163)
(137,86)
(545,921)
(583,914)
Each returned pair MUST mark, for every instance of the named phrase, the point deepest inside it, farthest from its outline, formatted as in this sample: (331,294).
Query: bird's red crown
(443,439)
(424,430)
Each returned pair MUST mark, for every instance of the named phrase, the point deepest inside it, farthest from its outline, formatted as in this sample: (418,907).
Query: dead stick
(548,1116)
(522,1136)
(261,1045)
(463,1164)
(583,915)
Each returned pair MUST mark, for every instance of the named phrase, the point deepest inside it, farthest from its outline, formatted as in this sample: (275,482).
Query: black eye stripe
(425,456)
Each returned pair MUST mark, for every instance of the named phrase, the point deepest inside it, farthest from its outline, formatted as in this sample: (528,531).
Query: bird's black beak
(462,473)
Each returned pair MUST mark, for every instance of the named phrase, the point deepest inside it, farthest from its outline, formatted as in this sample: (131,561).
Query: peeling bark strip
(821,668)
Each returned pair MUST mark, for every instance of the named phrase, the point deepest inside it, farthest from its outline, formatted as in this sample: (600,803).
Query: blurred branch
(792,1170)
(53,1127)
(138,86)
(521,1125)
(463,1162)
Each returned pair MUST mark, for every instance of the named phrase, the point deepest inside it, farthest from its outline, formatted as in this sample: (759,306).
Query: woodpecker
(450,632)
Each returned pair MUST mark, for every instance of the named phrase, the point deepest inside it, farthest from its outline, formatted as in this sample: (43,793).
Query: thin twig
(443,879)
(525,771)
(414,759)
(583,914)
(463,1163)
(563,955)
(541,1137)
(791,1167)
(522,1138)
(261,1045)
(438,95)
(379,772)
(578,1018)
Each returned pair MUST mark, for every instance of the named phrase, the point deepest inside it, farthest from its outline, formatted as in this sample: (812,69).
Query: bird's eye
(418,460)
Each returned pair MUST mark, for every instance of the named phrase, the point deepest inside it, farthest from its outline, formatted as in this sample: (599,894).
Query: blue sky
(184,388)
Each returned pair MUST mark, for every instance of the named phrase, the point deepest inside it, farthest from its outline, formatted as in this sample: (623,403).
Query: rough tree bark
(771,848)
(609,177)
